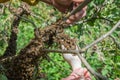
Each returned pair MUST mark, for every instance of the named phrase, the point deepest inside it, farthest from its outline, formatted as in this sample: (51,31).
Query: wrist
(63,2)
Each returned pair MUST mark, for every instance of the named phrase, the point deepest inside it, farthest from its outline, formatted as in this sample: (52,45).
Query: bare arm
(3,1)
(62,6)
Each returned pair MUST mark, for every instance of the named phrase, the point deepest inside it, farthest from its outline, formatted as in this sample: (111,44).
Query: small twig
(90,19)
(102,37)
(28,20)
(97,17)
(25,9)
(61,51)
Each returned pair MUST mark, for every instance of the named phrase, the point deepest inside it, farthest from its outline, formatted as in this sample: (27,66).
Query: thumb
(78,0)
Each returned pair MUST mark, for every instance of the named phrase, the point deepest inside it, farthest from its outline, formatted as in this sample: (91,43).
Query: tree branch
(102,37)
(12,45)
(87,65)
(79,8)
(61,51)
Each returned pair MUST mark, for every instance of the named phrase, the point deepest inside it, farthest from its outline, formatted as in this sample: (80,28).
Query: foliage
(101,17)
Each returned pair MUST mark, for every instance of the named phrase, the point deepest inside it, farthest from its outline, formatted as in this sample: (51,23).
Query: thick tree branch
(12,45)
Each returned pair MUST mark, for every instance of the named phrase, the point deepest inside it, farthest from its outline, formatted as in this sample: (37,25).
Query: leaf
(91,23)
(3,77)
(104,72)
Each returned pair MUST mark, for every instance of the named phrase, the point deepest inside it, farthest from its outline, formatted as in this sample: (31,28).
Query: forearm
(30,2)
(3,1)
(47,1)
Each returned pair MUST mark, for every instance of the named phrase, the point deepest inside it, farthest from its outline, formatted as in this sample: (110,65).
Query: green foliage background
(87,32)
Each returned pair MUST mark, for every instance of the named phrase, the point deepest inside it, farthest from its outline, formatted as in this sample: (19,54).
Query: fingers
(78,0)
(84,72)
(80,14)
(87,74)
(77,16)
(61,5)
(71,19)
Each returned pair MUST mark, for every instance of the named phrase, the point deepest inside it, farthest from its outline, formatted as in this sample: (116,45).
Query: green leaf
(104,72)
(3,77)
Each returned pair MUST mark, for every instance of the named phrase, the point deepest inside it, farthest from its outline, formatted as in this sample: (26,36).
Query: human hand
(63,5)
(79,74)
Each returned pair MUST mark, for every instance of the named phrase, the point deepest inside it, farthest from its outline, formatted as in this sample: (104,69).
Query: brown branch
(42,50)
(97,17)
(79,8)
(25,6)
(90,19)
(12,45)
(61,51)
(87,65)
(102,37)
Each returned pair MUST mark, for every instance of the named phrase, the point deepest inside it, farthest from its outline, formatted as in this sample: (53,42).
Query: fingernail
(68,21)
